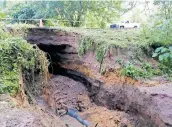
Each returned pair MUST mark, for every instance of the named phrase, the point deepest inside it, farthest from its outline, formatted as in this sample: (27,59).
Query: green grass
(101,40)
(121,38)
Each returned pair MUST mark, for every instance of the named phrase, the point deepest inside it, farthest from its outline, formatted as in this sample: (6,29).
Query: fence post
(40,23)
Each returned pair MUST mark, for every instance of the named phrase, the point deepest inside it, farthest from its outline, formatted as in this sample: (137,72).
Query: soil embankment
(122,102)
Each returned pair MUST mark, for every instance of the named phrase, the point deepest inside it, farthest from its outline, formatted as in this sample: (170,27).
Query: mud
(65,91)
(73,94)
(30,116)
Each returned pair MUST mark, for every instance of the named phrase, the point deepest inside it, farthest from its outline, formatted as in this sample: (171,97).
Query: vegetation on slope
(155,34)
(16,56)
(101,40)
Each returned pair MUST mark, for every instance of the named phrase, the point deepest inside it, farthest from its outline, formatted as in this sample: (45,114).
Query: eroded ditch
(109,106)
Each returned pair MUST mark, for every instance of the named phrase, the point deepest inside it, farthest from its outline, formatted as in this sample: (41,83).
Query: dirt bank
(81,87)
(65,45)
(73,94)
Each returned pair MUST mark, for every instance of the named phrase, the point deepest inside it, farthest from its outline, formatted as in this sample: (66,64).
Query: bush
(145,71)
(17,55)
(164,55)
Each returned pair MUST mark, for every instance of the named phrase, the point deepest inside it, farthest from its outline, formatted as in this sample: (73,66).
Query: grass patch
(121,38)
(145,71)
(101,40)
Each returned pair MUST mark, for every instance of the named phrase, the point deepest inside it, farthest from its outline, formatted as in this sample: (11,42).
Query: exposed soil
(113,118)
(73,94)
(30,116)
(113,76)
(109,100)
(65,91)
(51,36)
(68,42)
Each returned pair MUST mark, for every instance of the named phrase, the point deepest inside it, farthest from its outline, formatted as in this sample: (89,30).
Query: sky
(141,12)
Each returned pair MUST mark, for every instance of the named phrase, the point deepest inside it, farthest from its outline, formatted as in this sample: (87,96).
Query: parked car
(126,24)
(114,26)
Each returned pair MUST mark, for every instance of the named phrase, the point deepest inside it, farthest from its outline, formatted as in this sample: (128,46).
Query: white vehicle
(127,24)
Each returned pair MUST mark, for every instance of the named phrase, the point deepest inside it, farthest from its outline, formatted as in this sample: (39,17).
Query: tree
(128,6)
(3,3)
(158,31)
(101,13)
(162,22)
(24,13)
(89,13)
(71,13)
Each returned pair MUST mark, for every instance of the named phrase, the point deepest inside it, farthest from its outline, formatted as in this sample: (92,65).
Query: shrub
(17,55)
(145,71)
(164,55)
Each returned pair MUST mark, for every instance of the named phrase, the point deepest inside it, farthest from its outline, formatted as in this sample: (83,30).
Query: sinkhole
(102,105)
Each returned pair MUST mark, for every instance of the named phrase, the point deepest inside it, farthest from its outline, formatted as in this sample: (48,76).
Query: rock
(61,101)
(111,117)
(61,112)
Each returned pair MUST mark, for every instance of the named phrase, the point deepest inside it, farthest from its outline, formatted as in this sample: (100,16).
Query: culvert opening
(56,56)
(87,95)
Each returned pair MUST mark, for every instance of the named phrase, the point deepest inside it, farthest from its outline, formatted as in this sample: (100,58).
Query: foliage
(157,32)
(50,23)
(165,57)
(20,27)
(24,13)
(85,44)
(130,71)
(3,13)
(100,52)
(32,10)
(70,13)
(102,12)
(136,72)
(118,38)
(3,3)
(145,70)
(16,54)
(3,35)
(101,40)
(163,9)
